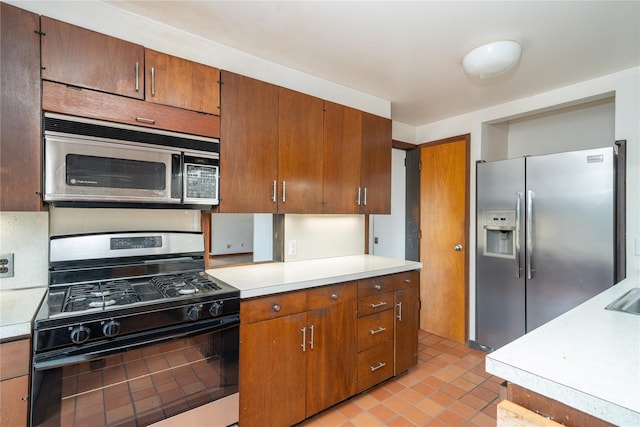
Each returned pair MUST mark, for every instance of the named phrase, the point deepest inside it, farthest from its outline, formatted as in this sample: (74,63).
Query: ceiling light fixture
(492,59)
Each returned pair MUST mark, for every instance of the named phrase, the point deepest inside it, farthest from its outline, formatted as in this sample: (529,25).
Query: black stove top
(107,285)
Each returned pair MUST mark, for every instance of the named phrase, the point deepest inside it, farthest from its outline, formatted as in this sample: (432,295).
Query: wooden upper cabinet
(248,145)
(20,130)
(300,127)
(80,57)
(341,160)
(181,83)
(376,164)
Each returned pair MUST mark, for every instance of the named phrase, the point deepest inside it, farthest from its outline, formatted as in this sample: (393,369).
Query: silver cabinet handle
(378,366)
(365,196)
(359,191)
(407,280)
(311,328)
(284,191)
(378,287)
(153,81)
(377,331)
(380,304)
(274,191)
(276,307)
(304,339)
(529,232)
(457,248)
(517,231)
(137,76)
(334,297)
(145,120)
(399,315)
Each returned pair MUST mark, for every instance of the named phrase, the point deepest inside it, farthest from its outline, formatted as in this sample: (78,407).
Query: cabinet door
(407,319)
(181,83)
(248,145)
(376,164)
(80,57)
(272,373)
(300,152)
(20,131)
(331,350)
(14,401)
(341,159)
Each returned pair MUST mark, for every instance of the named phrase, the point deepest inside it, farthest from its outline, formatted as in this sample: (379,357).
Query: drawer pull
(378,287)
(334,297)
(377,331)
(407,280)
(378,366)
(276,307)
(380,304)
(145,120)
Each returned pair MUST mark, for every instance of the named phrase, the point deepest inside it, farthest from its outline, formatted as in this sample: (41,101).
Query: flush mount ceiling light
(492,59)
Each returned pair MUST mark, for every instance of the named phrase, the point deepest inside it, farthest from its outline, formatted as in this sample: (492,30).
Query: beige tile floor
(448,387)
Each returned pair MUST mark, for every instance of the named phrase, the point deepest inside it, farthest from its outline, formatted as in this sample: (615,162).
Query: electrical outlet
(6,265)
(293,247)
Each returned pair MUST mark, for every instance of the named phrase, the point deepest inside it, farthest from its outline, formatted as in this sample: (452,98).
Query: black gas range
(108,285)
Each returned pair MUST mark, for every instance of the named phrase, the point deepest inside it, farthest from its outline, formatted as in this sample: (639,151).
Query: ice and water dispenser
(500,230)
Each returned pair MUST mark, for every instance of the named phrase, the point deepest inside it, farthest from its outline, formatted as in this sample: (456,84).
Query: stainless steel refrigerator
(546,239)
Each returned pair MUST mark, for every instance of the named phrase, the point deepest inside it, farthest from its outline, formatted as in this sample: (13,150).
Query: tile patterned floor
(448,387)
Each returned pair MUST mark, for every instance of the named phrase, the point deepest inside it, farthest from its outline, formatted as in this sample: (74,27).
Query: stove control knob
(111,328)
(80,334)
(193,313)
(216,308)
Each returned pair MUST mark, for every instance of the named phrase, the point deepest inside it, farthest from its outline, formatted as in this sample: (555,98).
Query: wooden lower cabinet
(304,351)
(14,382)
(293,365)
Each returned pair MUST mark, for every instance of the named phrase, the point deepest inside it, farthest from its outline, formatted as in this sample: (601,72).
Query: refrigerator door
(500,280)
(572,231)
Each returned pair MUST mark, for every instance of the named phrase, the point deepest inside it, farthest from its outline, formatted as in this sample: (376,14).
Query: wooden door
(20,132)
(300,152)
(273,372)
(81,57)
(331,363)
(407,306)
(181,83)
(248,145)
(341,160)
(376,164)
(444,223)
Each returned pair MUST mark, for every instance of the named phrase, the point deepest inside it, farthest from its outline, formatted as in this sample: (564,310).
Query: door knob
(457,248)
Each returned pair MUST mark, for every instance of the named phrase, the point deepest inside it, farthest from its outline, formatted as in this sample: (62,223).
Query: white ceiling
(410,53)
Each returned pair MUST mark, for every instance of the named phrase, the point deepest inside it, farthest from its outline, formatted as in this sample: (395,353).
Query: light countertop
(17,309)
(270,278)
(588,358)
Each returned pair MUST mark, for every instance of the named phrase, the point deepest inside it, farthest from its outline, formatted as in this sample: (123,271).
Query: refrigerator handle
(529,233)
(517,231)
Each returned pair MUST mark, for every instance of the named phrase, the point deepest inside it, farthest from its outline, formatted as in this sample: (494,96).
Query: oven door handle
(98,350)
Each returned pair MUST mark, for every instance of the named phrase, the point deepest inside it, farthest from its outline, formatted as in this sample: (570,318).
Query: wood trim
(552,409)
(401,145)
(467,137)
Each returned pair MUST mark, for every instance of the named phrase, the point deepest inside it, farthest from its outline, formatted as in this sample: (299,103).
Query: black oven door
(136,380)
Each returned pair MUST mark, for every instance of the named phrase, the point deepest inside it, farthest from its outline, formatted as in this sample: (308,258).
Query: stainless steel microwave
(93,163)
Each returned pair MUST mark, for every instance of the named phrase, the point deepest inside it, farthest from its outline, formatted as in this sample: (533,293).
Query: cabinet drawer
(375,329)
(407,280)
(375,304)
(59,98)
(375,285)
(272,306)
(332,294)
(375,365)
(14,358)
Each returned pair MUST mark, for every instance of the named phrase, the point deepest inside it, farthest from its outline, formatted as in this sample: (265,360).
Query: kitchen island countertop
(17,309)
(588,358)
(269,278)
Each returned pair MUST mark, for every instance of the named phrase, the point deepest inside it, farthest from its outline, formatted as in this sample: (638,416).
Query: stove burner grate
(99,295)
(184,284)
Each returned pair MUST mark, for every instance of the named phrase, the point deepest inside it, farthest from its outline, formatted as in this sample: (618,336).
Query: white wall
(231,233)
(26,236)
(624,85)
(390,229)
